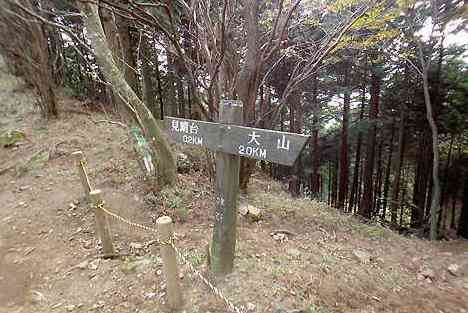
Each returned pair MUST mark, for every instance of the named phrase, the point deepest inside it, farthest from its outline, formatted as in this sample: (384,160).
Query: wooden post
(102,227)
(227,186)
(80,161)
(174,295)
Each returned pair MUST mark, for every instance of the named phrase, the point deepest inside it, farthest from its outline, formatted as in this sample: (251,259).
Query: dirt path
(43,236)
(49,257)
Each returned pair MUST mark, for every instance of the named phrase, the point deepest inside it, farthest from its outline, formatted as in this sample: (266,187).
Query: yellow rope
(100,206)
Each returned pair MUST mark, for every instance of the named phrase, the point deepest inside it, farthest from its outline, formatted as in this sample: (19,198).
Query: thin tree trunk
(354,198)
(435,202)
(147,73)
(127,46)
(365,209)
(315,181)
(180,92)
(454,210)
(170,81)
(395,203)
(329,183)
(402,204)
(378,182)
(444,207)
(463,221)
(294,125)
(166,166)
(335,182)
(189,100)
(360,188)
(344,162)
(248,80)
(387,173)
(160,92)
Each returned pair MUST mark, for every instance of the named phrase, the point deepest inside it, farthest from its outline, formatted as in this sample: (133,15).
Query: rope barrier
(83,164)
(213,288)
(100,206)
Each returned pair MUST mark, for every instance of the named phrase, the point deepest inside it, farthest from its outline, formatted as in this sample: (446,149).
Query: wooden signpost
(230,141)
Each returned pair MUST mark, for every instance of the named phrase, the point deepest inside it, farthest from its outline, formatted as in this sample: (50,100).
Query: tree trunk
(344,162)
(110,29)
(365,208)
(387,173)
(435,202)
(422,181)
(329,185)
(463,221)
(248,81)
(294,127)
(160,92)
(378,182)
(166,166)
(149,94)
(395,203)
(335,182)
(401,206)
(443,197)
(170,81)
(315,180)
(354,198)
(43,80)
(127,44)
(56,58)
(180,90)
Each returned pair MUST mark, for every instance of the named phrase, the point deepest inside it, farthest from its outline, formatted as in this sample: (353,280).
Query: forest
(379,86)
(141,166)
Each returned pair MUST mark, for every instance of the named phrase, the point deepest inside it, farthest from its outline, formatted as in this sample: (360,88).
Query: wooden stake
(174,294)
(80,161)
(227,186)
(102,226)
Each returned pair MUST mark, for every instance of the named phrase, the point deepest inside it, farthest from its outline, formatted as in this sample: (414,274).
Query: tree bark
(421,181)
(395,203)
(166,166)
(180,91)
(160,92)
(335,182)
(294,127)
(365,208)
(42,74)
(249,80)
(149,94)
(443,197)
(128,44)
(387,173)
(378,182)
(344,162)
(315,181)
(170,81)
(354,198)
(435,202)
(463,221)
(112,36)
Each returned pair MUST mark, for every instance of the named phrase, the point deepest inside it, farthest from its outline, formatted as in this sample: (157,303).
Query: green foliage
(11,137)
(196,258)
(177,200)
(74,73)
(456,111)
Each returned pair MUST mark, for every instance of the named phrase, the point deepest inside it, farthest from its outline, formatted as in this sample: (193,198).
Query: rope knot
(99,205)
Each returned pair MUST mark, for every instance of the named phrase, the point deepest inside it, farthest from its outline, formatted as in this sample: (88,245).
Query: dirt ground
(302,256)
